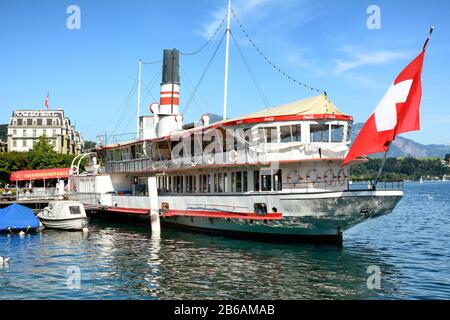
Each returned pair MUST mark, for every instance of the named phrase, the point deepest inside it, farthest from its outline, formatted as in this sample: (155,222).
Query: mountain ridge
(403,147)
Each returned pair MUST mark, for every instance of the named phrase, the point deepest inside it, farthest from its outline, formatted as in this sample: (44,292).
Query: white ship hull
(315,216)
(66,224)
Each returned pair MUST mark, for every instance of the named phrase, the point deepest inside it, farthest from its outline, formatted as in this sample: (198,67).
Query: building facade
(26,126)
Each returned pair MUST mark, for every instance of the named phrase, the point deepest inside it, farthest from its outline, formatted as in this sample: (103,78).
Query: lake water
(411,247)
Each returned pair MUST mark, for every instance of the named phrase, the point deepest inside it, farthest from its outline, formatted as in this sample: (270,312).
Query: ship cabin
(297,147)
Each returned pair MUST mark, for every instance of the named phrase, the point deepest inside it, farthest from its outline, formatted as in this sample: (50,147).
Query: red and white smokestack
(169,103)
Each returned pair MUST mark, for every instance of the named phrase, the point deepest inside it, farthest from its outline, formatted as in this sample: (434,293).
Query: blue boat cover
(17,217)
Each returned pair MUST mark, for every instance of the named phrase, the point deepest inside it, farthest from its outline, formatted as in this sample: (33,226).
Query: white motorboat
(65,215)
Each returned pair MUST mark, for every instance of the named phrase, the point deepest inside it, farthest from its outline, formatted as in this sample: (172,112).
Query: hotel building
(26,126)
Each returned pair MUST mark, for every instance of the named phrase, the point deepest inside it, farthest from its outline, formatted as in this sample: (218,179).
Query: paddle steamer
(273,173)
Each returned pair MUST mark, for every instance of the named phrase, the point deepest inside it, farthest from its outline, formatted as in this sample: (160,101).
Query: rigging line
(190,82)
(188,87)
(122,103)
(152,62)
(277,68)
(124,111)
(207,42)
(252,75)
(150,86)
(204,72)
(125,129)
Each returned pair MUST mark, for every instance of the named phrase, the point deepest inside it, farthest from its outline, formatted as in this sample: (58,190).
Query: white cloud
(360,59)
(242,8)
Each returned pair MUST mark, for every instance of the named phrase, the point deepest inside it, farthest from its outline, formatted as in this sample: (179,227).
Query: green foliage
(3,131)
(34,160)
(89,145)
(43,145)
(401,169)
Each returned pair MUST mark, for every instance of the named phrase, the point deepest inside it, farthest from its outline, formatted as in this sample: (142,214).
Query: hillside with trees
(402,169)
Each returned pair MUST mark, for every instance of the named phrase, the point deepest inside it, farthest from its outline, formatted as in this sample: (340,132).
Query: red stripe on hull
(222,215)
(129,210)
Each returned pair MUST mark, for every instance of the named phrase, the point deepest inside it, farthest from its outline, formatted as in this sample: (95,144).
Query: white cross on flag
(396,113)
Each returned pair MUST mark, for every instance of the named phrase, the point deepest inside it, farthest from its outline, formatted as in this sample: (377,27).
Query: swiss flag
(396,113)
(46,101)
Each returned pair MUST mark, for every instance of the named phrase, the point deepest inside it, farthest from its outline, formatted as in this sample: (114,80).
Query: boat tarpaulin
(26,175)
(18,217)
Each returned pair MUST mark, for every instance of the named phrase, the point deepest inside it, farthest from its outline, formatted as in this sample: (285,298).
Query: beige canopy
(318,105)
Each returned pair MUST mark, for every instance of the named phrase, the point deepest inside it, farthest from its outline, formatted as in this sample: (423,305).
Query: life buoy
(313,177)
(293,178)
(341,177)
(328,177)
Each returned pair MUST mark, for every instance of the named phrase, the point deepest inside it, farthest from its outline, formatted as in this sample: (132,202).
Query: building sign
(36,113)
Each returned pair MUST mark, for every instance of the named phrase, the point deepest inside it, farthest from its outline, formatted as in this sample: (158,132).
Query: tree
(89,145)
(447,157)
(43,145)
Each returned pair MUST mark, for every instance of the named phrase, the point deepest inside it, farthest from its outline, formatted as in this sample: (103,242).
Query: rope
(204,73)
(255,81)
(121,105)
(190,85)
(277,68)
(207,42)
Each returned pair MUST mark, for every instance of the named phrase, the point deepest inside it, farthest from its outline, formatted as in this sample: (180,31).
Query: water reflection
(119,261)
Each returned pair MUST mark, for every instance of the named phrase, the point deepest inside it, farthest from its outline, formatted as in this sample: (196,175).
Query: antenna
(225,89)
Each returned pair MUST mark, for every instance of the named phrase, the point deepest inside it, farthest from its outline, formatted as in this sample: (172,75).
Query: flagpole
(380,171)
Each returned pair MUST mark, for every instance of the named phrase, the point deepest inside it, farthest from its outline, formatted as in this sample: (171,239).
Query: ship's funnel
(171,65)
(170,94)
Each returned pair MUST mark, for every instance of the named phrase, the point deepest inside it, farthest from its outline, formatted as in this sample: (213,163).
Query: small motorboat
(64,215)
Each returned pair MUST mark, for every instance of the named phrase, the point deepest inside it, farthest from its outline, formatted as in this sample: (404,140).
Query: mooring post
(154,210)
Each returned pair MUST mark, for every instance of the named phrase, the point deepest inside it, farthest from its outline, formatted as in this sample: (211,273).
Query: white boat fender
(85,230)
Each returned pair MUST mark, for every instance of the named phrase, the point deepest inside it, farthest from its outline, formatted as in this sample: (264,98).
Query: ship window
(296,133)
(49,122)
(260,208)
(74,210)
(267,135)
(255,180)
(319,132)
(277,181)
(337,133)
(14,143)
(39,122)
(220,182)
(233,182)
(29,122)
(266,182)
(285,134)
(245,181)
(238,181)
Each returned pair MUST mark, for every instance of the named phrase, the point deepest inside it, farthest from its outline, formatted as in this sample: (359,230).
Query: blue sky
(326,44)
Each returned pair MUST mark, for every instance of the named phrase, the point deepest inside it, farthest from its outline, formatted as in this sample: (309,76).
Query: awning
(26,175)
